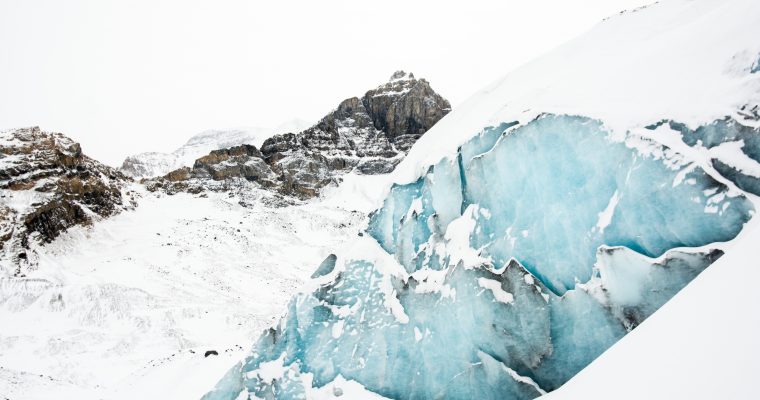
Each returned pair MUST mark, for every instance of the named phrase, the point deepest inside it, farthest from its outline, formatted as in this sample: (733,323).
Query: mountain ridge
(368,135)
(152,164)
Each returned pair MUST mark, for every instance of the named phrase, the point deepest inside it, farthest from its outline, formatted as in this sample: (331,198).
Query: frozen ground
(127,308)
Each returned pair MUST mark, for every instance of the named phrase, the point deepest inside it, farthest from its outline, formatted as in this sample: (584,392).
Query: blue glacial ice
(553,191)
(500,273)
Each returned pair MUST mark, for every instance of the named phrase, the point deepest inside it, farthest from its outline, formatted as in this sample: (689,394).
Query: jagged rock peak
(405,106)
(367,135)
(399,84)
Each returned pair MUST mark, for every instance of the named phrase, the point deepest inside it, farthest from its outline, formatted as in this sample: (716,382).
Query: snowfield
(128,308)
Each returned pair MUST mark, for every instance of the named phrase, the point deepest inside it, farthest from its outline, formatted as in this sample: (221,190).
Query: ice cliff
(530,230)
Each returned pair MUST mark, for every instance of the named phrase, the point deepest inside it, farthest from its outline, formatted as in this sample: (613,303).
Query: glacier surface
(503,271)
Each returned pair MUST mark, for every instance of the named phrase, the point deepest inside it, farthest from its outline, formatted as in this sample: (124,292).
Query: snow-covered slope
(127,308)
(688,61)
(539,223)
(151,164)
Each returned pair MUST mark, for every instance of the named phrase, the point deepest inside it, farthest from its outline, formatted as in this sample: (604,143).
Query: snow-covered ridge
(689,61)
(151,164)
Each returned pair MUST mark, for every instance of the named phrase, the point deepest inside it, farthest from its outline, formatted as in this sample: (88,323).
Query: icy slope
(688,61)
(555,213)
(128,307)
(151,164)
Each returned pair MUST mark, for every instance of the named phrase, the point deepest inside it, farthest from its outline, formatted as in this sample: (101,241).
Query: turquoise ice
(502,272)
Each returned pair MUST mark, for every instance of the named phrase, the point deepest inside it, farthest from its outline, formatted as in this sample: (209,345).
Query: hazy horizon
(123,79)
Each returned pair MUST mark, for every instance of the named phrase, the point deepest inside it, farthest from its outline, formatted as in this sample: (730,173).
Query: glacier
(539,222)
(502,271)
(552,179)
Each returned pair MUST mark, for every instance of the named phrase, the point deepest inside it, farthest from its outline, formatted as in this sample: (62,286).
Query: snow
(498,293)
(272,370)
(731,153)
(605,217)
(337,329)
(357,192)
(667,61)
(458,235)
(129,306)
(342,388)
(523,379)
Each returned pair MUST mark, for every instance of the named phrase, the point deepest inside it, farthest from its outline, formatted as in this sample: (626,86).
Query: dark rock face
(243,161)
(368,135)
(405,106)
(47,186)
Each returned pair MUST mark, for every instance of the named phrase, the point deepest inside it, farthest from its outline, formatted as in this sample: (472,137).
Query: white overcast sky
(132,76)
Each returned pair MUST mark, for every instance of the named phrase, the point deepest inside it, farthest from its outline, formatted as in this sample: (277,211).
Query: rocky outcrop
(404,108)
(47,186)
(367,135)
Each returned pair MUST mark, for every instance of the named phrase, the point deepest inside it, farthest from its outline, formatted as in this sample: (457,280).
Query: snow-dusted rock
(47,186)
(152,164)
(367,135)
